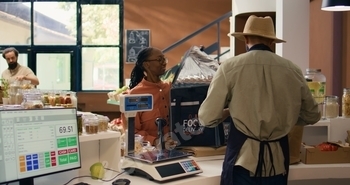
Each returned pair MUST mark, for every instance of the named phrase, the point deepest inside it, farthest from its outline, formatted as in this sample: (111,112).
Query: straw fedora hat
(258,26)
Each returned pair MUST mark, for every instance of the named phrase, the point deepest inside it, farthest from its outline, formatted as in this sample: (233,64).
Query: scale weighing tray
(159,156)
(161,165)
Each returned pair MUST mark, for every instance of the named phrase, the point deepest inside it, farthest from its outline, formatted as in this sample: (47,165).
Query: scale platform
(161,165)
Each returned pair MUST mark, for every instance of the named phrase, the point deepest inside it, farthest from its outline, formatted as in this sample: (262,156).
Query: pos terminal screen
(37,142)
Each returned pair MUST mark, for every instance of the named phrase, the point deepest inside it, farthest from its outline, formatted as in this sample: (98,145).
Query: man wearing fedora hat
(266,95)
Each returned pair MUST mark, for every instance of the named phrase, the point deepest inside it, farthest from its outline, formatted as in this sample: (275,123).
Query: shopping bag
(185,126)
(295,137)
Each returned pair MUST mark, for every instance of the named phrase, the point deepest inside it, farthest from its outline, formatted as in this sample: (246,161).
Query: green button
(61,143)
(47,154)
(47,162)
(63,159)
(72,141)
(73,158)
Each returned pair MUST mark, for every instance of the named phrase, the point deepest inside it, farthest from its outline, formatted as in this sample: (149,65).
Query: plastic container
(331,109)
(32,100)
(103,123)
(317,84)
(138,144)
(346,103)
(91,125)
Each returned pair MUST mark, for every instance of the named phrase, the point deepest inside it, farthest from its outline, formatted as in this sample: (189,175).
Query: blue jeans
(241,176)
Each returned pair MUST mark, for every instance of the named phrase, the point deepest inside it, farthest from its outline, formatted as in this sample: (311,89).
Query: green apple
(97,171)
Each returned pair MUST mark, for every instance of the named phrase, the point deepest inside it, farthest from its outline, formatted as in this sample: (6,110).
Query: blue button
(35,162)
(29,168)
(28,157)
(35,156)
(36,167)
(29,163)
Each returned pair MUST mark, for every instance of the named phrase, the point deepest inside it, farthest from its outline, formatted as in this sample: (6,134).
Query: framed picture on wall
(136,40)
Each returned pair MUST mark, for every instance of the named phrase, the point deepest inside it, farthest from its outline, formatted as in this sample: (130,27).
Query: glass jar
(346,103)
(57,99)
(317,84)
(331,109)
(68,100)
(19,97)
(80,123)
(45,98)
(73,96)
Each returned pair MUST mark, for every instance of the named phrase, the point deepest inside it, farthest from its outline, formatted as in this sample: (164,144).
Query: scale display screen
(136,102)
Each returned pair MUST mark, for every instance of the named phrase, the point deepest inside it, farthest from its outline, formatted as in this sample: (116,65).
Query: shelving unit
(103,147)
(99,136)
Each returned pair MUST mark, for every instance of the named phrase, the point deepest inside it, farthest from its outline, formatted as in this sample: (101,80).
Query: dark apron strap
(261,162)
(234,144)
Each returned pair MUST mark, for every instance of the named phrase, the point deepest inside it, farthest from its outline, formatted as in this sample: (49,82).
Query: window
(100,53)
(15,23)
(69,44)
(100,24)
(100,68)
(55,23)
(53,71)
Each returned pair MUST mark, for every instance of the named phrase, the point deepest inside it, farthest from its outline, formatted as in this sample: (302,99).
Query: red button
(53,159)
(72,150)
(53,153)
(53,164)
(62,152)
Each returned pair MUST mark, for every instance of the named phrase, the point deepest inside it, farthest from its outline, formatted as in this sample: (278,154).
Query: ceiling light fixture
(335,5)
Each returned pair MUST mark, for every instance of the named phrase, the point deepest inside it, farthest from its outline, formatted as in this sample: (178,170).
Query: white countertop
(212,167)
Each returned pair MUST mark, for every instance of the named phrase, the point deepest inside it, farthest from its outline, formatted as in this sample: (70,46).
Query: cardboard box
(312,155)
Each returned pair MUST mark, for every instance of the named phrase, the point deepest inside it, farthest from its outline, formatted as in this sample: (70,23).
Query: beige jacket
(266,95)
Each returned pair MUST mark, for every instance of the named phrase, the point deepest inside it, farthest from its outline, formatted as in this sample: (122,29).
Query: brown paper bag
(295,137)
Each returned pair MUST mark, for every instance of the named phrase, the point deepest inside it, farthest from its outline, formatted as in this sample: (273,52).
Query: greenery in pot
(4,88)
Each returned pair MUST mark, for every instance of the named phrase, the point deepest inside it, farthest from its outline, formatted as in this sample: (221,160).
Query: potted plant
(4,89)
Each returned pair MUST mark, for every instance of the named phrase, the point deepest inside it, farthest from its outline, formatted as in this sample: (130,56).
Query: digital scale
(158,165)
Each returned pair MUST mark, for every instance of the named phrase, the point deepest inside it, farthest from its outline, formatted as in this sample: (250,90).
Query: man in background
(15,71)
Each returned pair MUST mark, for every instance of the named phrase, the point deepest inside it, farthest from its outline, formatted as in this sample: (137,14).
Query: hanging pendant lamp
(335,5)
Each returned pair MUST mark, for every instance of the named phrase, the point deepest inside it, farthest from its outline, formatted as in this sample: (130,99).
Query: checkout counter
(300,174)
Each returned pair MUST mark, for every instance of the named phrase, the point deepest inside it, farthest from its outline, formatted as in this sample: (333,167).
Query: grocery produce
(114,95)
(97,171)
(317,90)
(327,146)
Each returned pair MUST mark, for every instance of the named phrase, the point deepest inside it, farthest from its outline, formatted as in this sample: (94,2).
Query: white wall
(292,25)
(248,6)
